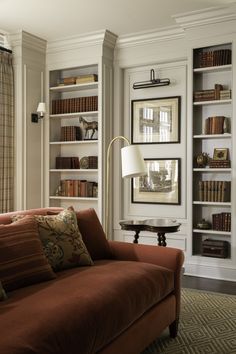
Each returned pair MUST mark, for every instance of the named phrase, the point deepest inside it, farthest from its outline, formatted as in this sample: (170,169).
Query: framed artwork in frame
(162,183)
(155,120)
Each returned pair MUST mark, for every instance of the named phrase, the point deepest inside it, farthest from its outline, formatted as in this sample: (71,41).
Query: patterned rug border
(208,292)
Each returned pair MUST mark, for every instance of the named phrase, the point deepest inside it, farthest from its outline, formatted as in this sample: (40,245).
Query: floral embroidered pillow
(61,239)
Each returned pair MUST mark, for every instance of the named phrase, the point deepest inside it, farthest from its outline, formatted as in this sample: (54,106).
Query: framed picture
(220,154)
(161,185)
(155,120)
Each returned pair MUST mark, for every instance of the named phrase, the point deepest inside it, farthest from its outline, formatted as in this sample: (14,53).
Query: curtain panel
(6,133)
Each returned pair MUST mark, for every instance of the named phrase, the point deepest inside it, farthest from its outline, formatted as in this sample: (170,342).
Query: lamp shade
(132,162)
(41,107)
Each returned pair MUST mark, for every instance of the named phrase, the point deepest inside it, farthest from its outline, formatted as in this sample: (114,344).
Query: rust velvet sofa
(120,304)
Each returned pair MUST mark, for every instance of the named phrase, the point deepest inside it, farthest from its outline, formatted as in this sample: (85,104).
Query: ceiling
(53,19)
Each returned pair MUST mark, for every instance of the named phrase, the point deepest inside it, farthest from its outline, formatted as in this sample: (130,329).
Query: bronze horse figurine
(89,126)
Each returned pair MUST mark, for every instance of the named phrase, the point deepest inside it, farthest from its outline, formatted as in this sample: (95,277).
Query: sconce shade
(41,108)
(132,162)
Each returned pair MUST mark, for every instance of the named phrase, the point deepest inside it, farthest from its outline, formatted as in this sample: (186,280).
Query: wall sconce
(41,110)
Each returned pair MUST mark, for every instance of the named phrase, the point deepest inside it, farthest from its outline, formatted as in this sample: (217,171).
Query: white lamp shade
(41,107)
(132,162)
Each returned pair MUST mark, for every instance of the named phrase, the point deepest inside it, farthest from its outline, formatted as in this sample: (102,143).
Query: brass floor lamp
(132,166)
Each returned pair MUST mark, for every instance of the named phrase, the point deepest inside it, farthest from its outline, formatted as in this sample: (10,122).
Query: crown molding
(211,15)
(151,36)
(27,40)
(103,37)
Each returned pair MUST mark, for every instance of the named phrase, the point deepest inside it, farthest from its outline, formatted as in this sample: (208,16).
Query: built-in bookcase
(212,127)
(74,145)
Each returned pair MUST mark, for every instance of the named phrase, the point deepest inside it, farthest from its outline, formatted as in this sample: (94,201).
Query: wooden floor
(220,286)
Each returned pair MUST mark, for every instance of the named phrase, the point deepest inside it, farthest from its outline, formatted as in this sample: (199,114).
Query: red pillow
(22,260)
(93,234)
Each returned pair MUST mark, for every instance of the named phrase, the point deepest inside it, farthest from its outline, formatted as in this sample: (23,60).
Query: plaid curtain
(6,133)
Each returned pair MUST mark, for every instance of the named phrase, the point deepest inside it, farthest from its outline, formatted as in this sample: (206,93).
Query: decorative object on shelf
(156,120)
(220,154)
(202,159)
(90,128)
(41,110)
(153,82)
(132,166)
(84,162)
(215,248)
(161,184)
(203,224)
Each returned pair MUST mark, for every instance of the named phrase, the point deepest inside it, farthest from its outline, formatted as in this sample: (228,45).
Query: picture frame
(220,154)
(155,120)
(161,185)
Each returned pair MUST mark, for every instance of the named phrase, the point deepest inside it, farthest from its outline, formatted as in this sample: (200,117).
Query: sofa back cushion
(93,234)
(22,260)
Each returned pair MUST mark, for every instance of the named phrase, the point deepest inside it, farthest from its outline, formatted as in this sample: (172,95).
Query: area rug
(207,326)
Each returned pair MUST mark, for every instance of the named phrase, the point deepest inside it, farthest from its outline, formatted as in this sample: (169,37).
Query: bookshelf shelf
(212,232)
(74,115)
(80,170)
(77,142)
(211,116)
(73,198)
(213,102)
(78,87)
(213,136)
(210,170)
(217,68)
(219,204)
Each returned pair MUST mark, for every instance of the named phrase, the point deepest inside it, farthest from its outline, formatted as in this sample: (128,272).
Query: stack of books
(208,95)
(216,125)
(67,163)
(214,191)
(225,94)
(221,222)
(215,58)
(83,79)
(93,162)
(219,163)
(73,105)
(71,133)
(78,188)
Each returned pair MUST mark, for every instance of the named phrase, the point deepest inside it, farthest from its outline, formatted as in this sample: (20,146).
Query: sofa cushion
(62,240)
(22,260)
(93,234)
(83,309)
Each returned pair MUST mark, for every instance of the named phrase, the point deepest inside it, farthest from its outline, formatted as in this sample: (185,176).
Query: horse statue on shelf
(87,126)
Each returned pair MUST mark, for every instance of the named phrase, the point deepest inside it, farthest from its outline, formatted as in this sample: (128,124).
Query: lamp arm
(119,137)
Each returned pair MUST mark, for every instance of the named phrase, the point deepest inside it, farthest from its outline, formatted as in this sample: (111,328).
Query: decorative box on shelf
(215,248)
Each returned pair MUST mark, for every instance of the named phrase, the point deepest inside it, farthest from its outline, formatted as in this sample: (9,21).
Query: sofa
(119,303)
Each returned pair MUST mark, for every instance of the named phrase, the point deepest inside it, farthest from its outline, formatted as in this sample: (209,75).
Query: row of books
(216,125)
(208,95)
(75,162)
(77,188)
(76,104)
(219,163)
(71,133)
(221,222)
(214,191)
(81,79)
(215,58)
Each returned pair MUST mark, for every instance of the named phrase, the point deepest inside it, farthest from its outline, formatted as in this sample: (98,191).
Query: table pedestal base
(161,239)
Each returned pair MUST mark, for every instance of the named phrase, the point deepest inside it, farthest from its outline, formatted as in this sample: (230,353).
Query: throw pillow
(22,260)
(62,240)
(3,295)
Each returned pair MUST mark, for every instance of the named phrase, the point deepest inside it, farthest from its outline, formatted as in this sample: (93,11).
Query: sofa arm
(171,258)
